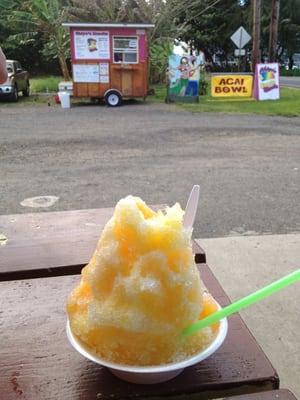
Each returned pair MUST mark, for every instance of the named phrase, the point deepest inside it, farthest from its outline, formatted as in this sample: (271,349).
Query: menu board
(86,73)
(91,45)
(104,72)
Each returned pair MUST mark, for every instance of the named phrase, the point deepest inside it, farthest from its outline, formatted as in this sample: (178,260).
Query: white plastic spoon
(191,207)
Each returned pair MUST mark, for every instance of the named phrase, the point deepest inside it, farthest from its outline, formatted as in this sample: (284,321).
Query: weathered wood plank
(53,243)
(36,361)
(282,394)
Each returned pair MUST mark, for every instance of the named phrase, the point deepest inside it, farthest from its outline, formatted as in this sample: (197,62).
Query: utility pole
(256,10)
(274,30)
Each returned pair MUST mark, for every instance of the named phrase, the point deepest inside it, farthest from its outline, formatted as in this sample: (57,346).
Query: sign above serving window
(91,45)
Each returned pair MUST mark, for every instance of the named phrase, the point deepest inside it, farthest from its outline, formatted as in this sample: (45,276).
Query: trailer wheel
(113,98)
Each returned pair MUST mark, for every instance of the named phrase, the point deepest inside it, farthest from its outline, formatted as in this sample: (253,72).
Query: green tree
(289,29)
(288,32)
(32,18)
(207,25)
(159,53)
(110,10)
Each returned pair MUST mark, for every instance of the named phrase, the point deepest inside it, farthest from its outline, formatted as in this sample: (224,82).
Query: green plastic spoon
(243,303)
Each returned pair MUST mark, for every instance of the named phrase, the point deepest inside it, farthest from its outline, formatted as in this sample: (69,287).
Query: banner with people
(184,76)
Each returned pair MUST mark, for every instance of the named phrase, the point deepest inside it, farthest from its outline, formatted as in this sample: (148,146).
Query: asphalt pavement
(290,81)
(91,156)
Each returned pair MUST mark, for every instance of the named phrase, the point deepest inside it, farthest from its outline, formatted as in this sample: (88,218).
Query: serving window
(125,49)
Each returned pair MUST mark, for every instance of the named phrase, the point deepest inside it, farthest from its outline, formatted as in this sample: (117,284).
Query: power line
(172,12)
(199,14)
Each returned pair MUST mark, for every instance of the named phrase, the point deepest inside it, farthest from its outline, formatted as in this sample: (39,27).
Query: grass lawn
(288,105)
(39,87)
(45,84)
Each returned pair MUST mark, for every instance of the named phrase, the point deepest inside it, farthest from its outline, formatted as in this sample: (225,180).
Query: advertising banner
(266,85)
(231,85)
(91,45)
(184,76)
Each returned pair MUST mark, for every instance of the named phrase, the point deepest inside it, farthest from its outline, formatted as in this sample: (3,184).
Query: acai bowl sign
(266,84)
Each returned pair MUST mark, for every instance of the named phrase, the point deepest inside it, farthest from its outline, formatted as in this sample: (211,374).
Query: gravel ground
(90,156)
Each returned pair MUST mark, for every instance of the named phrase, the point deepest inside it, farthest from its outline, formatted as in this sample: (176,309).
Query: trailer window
(125,49)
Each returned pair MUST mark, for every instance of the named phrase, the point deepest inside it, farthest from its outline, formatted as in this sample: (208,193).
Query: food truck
(109,61)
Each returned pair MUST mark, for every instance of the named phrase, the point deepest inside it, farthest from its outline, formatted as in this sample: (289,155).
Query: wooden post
(256,9)
(274,30)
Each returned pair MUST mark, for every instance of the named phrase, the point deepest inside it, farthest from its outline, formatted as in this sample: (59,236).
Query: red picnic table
(39,265)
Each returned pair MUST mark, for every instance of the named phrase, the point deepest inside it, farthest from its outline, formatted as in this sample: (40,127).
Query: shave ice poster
(267,81)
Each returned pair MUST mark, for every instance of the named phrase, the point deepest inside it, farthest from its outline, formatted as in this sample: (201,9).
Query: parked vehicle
(17,81)
(295,66)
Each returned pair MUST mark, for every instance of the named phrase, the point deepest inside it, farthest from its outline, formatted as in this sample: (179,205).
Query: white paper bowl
(155,374)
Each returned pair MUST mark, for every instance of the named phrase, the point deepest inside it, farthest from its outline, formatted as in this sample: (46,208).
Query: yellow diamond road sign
(240,37)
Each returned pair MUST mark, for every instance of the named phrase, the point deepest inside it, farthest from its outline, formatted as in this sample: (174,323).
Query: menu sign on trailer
(86,73)
(104,72)
(91,45)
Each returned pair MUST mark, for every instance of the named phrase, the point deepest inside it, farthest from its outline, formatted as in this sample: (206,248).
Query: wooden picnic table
(282,394)
(36,360)
(38,244)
